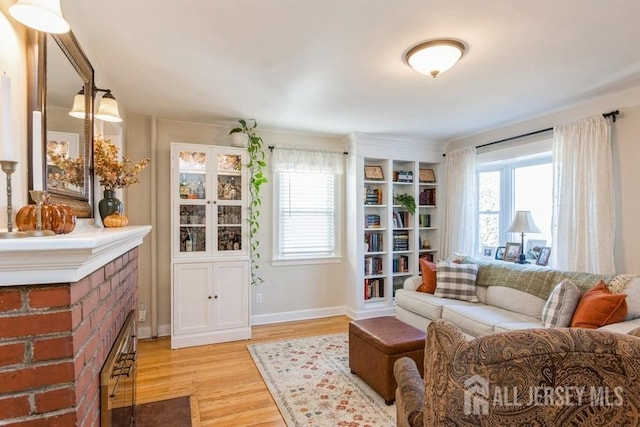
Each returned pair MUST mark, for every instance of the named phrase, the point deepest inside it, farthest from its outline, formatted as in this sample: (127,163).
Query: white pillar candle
(38,155)
(6,125)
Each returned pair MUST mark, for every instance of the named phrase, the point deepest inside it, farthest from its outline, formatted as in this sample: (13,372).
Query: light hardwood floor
(226,382)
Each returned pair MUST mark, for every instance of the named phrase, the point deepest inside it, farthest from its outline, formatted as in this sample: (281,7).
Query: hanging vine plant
(255,166)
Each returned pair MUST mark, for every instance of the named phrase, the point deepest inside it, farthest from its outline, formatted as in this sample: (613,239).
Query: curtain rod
(611,114)
(271,147)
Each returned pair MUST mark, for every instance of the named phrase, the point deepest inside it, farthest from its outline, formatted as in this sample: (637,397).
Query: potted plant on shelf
(255,167)
(407,201)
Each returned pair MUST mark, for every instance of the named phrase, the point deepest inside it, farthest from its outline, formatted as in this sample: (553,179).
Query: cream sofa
(511,296)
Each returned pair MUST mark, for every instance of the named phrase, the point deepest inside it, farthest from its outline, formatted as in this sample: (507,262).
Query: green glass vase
(109,204)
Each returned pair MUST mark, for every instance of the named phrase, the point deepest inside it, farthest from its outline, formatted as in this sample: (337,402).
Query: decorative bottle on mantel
(109,204)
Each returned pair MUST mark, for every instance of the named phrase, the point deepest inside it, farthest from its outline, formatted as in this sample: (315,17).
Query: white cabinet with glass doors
(209,235)
(208,201)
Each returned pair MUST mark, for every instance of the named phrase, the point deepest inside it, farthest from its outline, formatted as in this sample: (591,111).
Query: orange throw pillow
(428,270)
(599,307)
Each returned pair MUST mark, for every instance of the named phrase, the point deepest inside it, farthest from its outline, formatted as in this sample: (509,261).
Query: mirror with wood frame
(61,149)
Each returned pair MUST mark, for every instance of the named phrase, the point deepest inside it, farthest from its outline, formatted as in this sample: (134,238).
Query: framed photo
(488,251)
(500,252)
(512,251)
(543,258)
(533,248)
(427,175)
(64,145)
(373,172)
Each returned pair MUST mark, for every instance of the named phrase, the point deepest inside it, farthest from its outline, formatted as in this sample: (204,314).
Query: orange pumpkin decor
(57,218)
(116,220)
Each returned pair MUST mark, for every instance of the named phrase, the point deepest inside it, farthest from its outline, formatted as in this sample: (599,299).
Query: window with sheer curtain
(584,214)
(514,177)
(512,185)
(306,204)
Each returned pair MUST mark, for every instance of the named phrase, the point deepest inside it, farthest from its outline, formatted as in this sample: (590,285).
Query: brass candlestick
(39,197)
(9,167)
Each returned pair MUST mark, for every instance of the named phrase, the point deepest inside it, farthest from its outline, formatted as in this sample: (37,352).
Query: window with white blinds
(306,215)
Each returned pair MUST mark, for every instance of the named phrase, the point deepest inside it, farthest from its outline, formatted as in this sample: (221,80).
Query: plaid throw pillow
(457,281)
(562,302)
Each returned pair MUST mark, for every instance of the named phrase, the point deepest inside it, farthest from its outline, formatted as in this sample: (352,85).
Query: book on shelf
(397,284)
(428,256)
(401,219)
(401,240)
(372,196)
(372,266)
(424,220)
(373,242)
(403,176)
(427,197)
(401,264)
(373,288)
(372,221)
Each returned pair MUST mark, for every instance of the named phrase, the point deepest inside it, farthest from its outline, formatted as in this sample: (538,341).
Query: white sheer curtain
(307,161)
(459,222)
(583,214)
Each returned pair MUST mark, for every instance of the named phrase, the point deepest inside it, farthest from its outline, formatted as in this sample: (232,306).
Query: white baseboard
(290,316)
(144,332)
(369,313)
(211,337)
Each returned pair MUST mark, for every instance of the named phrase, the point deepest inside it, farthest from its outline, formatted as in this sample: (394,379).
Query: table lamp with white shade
(523,223)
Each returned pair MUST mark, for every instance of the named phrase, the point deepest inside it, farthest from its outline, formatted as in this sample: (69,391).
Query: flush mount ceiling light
(42,15)
(435,56)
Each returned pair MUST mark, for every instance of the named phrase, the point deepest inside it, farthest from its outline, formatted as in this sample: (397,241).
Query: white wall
(13,64)
(626,158)
(297,291)
(288,292)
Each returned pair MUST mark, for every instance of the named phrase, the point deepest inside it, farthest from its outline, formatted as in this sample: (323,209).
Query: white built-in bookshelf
(390,240)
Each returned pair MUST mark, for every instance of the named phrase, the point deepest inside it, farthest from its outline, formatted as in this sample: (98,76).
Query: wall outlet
(258,298)
(142,313)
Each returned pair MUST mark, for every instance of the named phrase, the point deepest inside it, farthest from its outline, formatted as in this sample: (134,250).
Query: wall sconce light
(434,57)
(42,15)
(107,109)
(77,110)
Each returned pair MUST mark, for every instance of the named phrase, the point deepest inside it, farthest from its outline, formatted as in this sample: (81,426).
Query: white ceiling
(336,66)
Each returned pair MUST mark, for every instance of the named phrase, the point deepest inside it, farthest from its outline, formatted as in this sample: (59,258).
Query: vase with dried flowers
(113,174)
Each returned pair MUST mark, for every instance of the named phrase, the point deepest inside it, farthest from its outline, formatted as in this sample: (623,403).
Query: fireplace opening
(118,378)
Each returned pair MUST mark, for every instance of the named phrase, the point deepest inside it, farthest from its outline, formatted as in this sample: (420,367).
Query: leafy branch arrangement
(115,173)
(112,171)
(255,166)
(407,201)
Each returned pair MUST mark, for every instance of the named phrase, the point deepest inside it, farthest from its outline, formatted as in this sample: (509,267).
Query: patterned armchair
(534,377)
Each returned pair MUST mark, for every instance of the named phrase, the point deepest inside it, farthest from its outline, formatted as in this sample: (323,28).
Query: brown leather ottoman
(375,345)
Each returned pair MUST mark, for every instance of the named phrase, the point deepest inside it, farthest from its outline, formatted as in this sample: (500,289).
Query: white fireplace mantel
(65,257)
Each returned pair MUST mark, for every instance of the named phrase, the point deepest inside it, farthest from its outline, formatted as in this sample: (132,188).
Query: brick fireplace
(54,340)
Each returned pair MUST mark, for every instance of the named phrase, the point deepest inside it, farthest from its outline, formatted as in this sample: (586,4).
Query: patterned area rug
(310,380)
